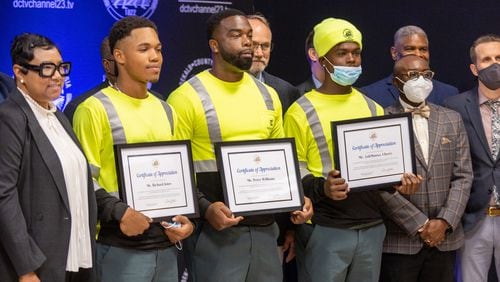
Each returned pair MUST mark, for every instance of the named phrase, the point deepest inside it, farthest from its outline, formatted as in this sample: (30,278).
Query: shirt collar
(482,98)
(34,104)
(407,106)
(260,77)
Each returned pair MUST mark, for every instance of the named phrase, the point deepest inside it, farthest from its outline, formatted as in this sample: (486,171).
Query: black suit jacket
(306,86)
(287,92)
(486,169)
(35,219)
(70,108)
(7,85)
(385,94)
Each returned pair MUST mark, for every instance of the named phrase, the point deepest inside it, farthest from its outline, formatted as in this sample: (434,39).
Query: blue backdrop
(78,27)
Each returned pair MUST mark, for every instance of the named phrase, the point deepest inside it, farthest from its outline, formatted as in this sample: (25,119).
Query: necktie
(495,128)
(495,140)
(424,111)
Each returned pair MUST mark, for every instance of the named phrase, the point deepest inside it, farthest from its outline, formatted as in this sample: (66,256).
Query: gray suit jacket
(486,169)
(35,218)
(444,192)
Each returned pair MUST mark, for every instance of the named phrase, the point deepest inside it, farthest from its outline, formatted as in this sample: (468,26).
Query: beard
(257,67)
(236,59)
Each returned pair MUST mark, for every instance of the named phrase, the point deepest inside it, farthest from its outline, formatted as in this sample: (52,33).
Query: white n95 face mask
(417,90)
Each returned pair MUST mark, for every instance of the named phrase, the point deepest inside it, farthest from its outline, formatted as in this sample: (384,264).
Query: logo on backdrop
(194,68)
(66,95)
(43,4)
(122,8)
(202,6)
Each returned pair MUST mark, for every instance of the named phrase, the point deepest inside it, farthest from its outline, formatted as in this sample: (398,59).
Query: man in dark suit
(262,45)
(6,86)
(407,40)
(481,114)
(424,229)
(317,73)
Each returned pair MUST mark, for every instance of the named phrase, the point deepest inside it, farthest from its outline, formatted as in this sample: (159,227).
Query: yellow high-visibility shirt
(239,109)
(140,120)
(328,108)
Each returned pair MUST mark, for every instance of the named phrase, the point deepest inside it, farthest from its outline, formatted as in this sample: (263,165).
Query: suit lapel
(472,109)
(433,123)
(45,148)
(396,108)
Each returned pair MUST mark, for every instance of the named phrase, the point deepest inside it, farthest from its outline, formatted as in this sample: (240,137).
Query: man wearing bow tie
(424,229)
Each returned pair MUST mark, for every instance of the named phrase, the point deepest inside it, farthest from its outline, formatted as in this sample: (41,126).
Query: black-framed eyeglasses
(48,69)
(263,46)
(413,75)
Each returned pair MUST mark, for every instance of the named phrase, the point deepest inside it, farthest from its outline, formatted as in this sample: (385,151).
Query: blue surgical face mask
(344,75)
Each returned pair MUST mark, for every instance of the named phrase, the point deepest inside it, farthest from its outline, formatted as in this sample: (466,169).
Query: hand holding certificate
(221,217)
(260,176)
(410,183)
(156,179)
(335,187)
(305,214)
(374,152)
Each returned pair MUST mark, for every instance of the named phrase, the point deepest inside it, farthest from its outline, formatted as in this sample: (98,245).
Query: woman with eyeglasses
(47,201)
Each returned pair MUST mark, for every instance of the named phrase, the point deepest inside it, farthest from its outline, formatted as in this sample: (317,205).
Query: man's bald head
(409,62)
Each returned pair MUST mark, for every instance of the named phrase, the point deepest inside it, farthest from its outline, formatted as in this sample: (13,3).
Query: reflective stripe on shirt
(371,105)
(209,108)
(170,115)
(214,130)
(117,130)
(319,135)
(205,166)
(265,94)
(317,131)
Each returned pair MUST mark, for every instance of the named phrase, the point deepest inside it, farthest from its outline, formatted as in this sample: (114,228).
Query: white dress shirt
(74,168)
(421,130)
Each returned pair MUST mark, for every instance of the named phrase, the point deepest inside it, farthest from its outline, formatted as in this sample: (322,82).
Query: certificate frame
(373,153)
(157,178)
(248,169)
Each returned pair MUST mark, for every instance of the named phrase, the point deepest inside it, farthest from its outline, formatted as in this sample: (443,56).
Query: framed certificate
(374,152)
(260,177)
(157,178)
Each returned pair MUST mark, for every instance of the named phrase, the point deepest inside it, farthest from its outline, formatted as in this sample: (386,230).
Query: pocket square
(445,140)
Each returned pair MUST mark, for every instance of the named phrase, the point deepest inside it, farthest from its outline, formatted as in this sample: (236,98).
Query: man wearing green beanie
(346,243)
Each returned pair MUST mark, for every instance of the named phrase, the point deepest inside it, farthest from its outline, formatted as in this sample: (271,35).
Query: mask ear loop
(178,245)
(333,68)
(400,90)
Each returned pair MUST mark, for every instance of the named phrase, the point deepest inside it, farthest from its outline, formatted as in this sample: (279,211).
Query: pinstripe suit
(444,191)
